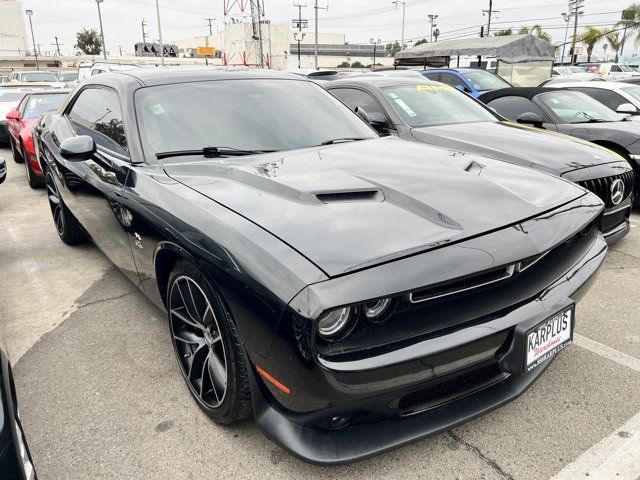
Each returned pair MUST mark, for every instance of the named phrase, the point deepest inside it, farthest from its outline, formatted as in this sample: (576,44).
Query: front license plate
(547,338)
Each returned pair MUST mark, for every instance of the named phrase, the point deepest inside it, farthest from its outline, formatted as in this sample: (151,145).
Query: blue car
(473,81)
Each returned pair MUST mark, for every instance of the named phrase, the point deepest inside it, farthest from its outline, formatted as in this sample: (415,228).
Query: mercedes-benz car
(351,295)
(437,114)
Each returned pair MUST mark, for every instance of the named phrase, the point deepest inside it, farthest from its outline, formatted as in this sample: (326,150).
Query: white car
(616,71)
(36,76)
(620,97)
(89,69)
(9,99)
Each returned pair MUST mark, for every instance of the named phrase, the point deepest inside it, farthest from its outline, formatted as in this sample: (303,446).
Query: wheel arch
(165,256)
(616,147)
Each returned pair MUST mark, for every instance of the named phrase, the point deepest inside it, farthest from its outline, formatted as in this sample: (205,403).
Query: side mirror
(625,109)
(78,148)
(14,114)
(375,119)
(530,118)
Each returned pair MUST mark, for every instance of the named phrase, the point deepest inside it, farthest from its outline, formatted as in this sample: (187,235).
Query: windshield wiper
(344,140)
(211,152)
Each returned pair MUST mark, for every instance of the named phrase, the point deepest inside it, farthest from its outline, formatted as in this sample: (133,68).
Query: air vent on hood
(350,196)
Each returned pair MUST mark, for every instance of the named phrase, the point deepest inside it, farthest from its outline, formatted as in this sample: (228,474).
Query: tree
(590,36)
(357,64)
(420,42)
(537,31)
(630,22)
(390,49)
(344,65)
(614,40)
(504,32)
(88,42)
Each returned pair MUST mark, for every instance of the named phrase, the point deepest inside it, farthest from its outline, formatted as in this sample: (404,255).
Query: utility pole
(209,20)
(629,19)
(144,34)
(375,44)
(479,56)
(33,38)
(489,12)
(574,7)
(567,18)
(299,23)
(104,47)
(160,33)
(120,49)
(57,46)
(432,18)
(316,40)
(404,6)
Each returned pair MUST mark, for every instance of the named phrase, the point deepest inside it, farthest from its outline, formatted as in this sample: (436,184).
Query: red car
(20,123)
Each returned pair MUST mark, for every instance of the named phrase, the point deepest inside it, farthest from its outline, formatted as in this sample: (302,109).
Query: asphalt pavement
(101,396)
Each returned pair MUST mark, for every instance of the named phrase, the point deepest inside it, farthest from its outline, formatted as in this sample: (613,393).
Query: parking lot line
(607,352)
(615,456)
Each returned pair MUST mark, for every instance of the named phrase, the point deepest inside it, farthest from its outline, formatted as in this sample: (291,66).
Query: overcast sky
(360,20)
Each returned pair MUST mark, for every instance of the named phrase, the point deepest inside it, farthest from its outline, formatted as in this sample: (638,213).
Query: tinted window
(357,98)
(96,112)
(512,107)
(576,107)
(427,105)
(608,98)
(38,105)
(39,77)
(436,77)
(243,114)
(453,80)
(615,68)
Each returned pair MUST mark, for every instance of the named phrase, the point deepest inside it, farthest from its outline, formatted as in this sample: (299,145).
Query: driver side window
(96,112)
(353,98)
(512,107)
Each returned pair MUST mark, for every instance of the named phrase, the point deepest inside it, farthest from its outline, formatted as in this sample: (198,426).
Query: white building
(236,46)
(13,36)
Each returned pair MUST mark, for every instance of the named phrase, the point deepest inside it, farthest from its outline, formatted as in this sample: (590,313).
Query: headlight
(335,323)
(374,310)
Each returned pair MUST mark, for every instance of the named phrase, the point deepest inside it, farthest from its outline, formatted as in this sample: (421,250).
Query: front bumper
(615,223)
(356,425)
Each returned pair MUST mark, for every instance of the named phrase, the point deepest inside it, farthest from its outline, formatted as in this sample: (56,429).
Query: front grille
(602,186)
(451,390)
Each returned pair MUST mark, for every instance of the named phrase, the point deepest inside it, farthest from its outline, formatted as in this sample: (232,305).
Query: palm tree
(615,42)
(630,22)
(537,31)
(590,36)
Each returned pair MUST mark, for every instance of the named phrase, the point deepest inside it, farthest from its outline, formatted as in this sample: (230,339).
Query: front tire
(33,181)
(66,225)
(207,347)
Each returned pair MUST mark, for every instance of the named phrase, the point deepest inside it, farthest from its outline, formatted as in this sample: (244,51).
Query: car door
(92,189)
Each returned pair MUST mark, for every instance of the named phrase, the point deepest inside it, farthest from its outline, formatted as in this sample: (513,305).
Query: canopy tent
(508,49)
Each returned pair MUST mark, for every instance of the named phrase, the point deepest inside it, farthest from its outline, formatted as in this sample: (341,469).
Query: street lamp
(432,18)
(567,18)
(604,47)
(404,5)
(104,47)
(33,38)
(298,37)
(160,33)
(375,44)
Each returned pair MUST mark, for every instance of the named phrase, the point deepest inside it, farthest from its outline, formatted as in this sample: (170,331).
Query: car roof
(526,92)
(381,81)
(165,76)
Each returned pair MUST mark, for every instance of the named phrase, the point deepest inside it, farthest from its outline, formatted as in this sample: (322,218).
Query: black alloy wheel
(206,345)
(66,225)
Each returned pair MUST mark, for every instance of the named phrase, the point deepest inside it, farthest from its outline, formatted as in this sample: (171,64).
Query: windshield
(428,105)
(38,77)
(38,105)
(11,95)
(68,77)
(243,114)
(483,81)
(576,107)
(633,90)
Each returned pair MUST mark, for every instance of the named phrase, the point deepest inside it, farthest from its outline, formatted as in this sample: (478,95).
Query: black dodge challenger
(351,295)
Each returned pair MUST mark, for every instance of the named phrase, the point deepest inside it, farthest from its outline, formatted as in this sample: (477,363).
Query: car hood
(510,142)
(350,206)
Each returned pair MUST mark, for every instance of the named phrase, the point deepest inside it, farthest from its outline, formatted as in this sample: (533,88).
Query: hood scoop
(350,196)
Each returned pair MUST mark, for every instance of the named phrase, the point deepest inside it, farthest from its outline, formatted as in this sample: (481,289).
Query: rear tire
(66,224)
(207,347)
